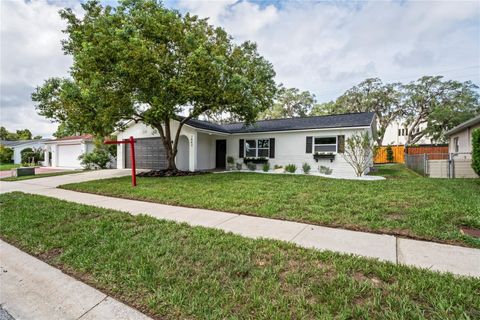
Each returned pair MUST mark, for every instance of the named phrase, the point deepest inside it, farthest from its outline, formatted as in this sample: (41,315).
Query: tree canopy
(24,134)
(372,95)
(432,106)
(143,62)
(289,103)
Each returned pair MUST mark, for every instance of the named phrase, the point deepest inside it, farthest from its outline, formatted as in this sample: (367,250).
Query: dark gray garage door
(149,154)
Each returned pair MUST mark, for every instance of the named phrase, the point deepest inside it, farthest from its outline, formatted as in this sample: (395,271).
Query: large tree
(371,95)
(432,106)
(143,62)
(289,103)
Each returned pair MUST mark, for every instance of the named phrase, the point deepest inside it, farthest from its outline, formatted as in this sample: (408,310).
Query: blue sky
(321,46)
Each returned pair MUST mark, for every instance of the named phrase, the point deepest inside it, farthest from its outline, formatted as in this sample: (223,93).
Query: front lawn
(175,271)
(395,171)
(8,166)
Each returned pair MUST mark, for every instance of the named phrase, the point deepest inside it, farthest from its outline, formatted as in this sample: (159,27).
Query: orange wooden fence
(398,154)
(434,152)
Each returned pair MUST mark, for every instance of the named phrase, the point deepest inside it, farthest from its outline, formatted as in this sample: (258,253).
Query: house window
(325,144)
(257,148)
(455,144)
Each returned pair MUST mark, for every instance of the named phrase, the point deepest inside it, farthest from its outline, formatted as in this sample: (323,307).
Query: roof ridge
(306,117)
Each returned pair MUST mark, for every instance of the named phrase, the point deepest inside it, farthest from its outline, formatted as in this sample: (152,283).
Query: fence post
(425,164)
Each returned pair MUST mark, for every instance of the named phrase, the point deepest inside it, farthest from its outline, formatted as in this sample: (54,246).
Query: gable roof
(69,138)
(360,119)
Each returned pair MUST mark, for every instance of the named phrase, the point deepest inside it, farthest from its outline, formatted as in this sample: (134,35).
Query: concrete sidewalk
(434,256)
(32,289)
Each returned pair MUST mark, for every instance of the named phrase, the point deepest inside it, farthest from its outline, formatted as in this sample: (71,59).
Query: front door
(221,153)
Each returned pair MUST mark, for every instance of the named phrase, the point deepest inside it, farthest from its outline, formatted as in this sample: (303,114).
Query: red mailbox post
(130,141)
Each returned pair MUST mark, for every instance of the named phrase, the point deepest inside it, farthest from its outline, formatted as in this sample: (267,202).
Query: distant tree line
(24,134)
(429,106)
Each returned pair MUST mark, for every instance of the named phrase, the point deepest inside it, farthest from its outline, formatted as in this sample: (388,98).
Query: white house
(397,132)
(65,151)
(204,145)
(460,137)
(20,145)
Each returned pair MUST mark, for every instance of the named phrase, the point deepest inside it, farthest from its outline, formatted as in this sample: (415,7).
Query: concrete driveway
(53,182)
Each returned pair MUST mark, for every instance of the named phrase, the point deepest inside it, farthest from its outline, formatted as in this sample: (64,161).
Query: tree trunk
(168,145)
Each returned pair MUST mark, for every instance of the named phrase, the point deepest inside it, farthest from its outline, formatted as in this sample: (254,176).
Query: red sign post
(130,141)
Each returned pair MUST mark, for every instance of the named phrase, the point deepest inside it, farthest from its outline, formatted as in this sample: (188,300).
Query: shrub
(306,168)
(239,166)
(230,160)
(291,168)
(389,153)
(325,170)
(251,166)
(277,166)
(476,151)
(6,154)
(97,159)
(266,167)
(359,151)
(31,156)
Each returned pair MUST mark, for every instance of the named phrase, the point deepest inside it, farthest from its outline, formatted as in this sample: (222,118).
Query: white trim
(330,144)
(256,148)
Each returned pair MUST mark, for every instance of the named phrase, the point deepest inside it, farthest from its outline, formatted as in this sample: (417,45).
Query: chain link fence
(441,165)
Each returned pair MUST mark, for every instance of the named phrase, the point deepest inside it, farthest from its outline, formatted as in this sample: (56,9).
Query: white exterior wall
(79,146)
(464,140)
(141,130)
(392,137)
(17,156)
(206,150)
(290,148)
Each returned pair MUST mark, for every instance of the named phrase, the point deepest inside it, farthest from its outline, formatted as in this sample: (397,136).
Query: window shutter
(240,148)
(341,144)
(272,148)
(308,148)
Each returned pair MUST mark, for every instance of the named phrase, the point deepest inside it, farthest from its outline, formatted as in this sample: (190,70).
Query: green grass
(40,175)
(8,166)
(175,271)
(395,171)
(429,209)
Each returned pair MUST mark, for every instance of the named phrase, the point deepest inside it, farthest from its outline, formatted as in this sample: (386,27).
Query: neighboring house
(19,145)
(459,164)
(397,132)
(460,137)
(65,151)
(203,145)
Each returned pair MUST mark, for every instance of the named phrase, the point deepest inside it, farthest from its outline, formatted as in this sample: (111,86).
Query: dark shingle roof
(361,119)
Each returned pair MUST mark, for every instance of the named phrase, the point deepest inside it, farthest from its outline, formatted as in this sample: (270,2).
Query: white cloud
(324,47)
(30,53)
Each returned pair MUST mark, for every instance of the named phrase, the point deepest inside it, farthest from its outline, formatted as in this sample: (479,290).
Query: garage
(149,154)
(68,155)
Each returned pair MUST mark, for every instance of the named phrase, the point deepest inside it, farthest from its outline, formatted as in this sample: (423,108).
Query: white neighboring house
(65,151)
(397,132)
(460,137)
(20,145)
(203,145)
